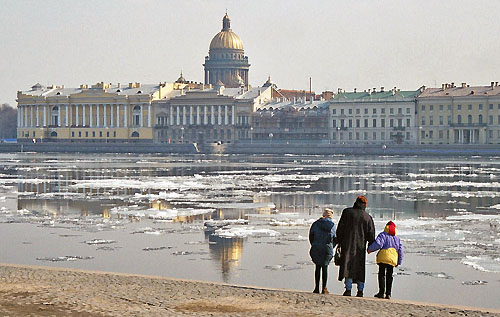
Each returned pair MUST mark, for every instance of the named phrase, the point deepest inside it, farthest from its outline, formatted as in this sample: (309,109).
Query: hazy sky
(340,44)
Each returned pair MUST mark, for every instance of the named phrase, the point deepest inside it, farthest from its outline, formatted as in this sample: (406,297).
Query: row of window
(164,120)
(429,134)
(366,136)
(79,134)
(459,107)
(459,120)
(374,111)
(344,123)
(179,134)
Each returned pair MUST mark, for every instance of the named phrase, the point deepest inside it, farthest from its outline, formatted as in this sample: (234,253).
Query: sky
(338,44)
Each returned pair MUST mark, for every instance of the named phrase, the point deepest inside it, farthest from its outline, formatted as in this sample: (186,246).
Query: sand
(42,291)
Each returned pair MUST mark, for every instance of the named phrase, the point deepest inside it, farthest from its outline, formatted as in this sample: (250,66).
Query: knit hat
(390,228)
(362,200)
(328,213)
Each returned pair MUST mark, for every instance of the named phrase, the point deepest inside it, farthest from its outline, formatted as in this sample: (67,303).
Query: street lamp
(270,137)
(338,135)
(251,135)
(182,135)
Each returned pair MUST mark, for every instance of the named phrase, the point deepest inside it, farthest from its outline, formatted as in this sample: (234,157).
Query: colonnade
(201,115)
(82,115)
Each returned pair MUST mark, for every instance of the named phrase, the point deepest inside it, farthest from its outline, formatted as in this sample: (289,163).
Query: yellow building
(99,113)
(459,114)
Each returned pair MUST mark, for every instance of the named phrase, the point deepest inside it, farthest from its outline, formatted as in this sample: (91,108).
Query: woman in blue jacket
(323,240)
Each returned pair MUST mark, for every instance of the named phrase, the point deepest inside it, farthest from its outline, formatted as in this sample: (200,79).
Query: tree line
(8,122)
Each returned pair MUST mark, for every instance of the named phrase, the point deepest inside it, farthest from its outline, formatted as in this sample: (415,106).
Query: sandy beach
(43,291)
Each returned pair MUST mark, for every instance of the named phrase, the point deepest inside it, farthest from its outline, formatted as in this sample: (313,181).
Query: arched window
(480,118)
(135,134)
(55,116)
(136,116)
(469,119)
(53,134)
(459,119)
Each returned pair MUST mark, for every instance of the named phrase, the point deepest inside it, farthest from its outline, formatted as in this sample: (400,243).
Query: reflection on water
(289,189)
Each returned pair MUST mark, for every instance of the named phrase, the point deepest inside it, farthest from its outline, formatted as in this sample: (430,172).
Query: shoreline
(44,291)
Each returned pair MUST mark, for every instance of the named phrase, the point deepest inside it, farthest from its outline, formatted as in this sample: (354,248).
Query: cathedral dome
(226,39)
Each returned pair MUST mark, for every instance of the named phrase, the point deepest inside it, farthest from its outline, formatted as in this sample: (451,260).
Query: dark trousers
(385,278)
(317,274)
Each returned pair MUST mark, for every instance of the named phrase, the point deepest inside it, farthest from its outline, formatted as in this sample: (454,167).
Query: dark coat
(322,239)
(354,231)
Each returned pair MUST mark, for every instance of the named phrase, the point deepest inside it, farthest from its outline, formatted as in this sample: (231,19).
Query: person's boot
(388,296)
(359,294)
(325,291)
(347,292)
(316,290)
(379,295)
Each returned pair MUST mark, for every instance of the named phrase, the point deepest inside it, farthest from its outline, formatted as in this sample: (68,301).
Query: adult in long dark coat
(355,229)
(322,239)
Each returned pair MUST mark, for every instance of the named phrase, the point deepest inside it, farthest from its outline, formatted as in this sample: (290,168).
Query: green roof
(379,95)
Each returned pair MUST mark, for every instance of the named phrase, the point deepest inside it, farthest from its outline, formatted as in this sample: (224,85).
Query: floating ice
(66,258)
(99,241)
(483,263)
(436,275)
(476,282)
(242,232)
(156,248)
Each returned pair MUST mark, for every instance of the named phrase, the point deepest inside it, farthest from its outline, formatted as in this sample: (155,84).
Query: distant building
(226,61)
(207,115)
(100,113)
(459,115)
(373,117)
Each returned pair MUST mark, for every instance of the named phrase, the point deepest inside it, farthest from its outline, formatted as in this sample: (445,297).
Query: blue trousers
(348,284)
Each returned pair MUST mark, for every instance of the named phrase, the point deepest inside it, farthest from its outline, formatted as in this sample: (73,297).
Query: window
(469,107)
(382,135)
(480,106)
(408,135)
(365,136)
(86,134)
(441,120)
(107,134)
(422,134)
(408,110)
(423,107)
(469,119)
(100,134)
(431,134)
(431,108)
(441,134)
(79,134)
(350,135)
(334,111)
(357,135)
(490,134)
(490,120)
(358,123)
(342,123)
(408,122)
(374,123)
(366,123)
(334,123)
(459,107)
(366,110)
(135,134)
(449,119)
(114,134)
(391,111)
(491,106)
(350,123)
(374,110)
(382,123)
(358,111)
(400,122)
(342,111)
(441,107)
(93,134)
(350,111)
(449,107)
(374,135)
(391,123)
(459,119)
(480,119)
(423,121)
(382,110)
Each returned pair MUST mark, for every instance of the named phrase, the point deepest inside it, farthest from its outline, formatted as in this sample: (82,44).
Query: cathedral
(226,62)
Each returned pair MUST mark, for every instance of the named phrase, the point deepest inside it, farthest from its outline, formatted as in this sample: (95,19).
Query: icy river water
(244,219)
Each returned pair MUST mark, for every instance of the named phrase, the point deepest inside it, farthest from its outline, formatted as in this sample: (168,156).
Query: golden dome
(226,39)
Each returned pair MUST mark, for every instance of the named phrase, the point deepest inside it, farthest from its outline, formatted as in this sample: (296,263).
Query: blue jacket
(323,240)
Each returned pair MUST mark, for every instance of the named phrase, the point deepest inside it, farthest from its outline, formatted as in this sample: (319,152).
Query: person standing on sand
(323,240)
(390,256)
(354,231)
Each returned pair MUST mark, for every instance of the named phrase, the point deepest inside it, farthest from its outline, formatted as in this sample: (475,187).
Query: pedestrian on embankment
(355,229)
(323,240)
